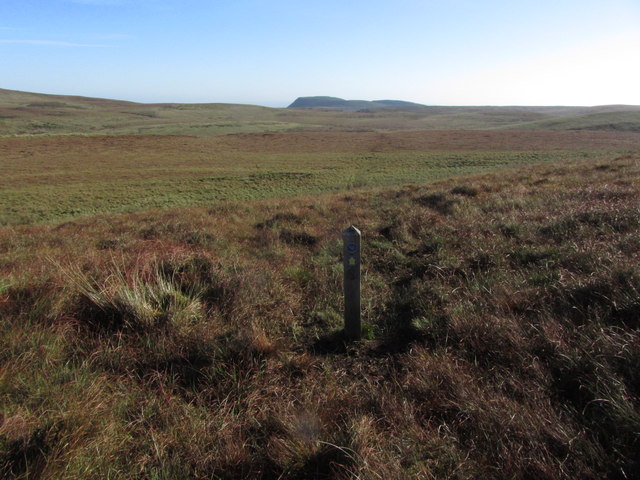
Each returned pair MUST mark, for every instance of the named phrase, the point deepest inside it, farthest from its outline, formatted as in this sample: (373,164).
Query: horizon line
(164,102)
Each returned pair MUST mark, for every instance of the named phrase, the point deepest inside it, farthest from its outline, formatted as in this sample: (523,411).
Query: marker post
(352,325)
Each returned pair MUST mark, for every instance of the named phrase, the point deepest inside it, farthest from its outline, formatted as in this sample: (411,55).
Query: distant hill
(342,104)
(25,113)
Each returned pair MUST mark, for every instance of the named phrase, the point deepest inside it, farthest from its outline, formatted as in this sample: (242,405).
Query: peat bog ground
(501,310)
(49,179)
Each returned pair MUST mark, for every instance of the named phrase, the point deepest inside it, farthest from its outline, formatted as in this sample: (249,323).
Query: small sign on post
(352,327)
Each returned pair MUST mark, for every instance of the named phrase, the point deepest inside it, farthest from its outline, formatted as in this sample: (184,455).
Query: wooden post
(352,327)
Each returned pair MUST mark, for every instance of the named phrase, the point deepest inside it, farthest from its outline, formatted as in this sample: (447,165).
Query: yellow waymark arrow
(352,261)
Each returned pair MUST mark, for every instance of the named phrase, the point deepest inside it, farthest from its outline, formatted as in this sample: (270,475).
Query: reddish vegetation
(440,140)
(501,335)
(326,142)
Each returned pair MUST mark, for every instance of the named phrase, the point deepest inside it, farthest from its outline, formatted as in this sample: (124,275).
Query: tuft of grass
(298,238)
(136,302)
(438,202)
(602,222)
(465,190)
(4,286)
(613,299)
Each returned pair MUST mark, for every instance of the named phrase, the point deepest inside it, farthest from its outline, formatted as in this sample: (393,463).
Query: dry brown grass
(501,335)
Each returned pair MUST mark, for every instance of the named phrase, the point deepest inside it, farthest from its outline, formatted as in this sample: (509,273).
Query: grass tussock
(134,301)
(501,336)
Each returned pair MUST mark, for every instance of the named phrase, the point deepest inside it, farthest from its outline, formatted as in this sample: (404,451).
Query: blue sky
(268,52)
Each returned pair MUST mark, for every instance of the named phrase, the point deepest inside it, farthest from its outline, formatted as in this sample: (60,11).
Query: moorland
(170,291)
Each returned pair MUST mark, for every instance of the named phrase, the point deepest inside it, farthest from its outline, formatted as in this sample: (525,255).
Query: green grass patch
(42,192)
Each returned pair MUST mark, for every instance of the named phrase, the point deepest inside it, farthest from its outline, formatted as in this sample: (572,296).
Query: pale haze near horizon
(436,52)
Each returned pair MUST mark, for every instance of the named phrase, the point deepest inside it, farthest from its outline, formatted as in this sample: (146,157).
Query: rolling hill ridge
(341,104)
(24,113)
